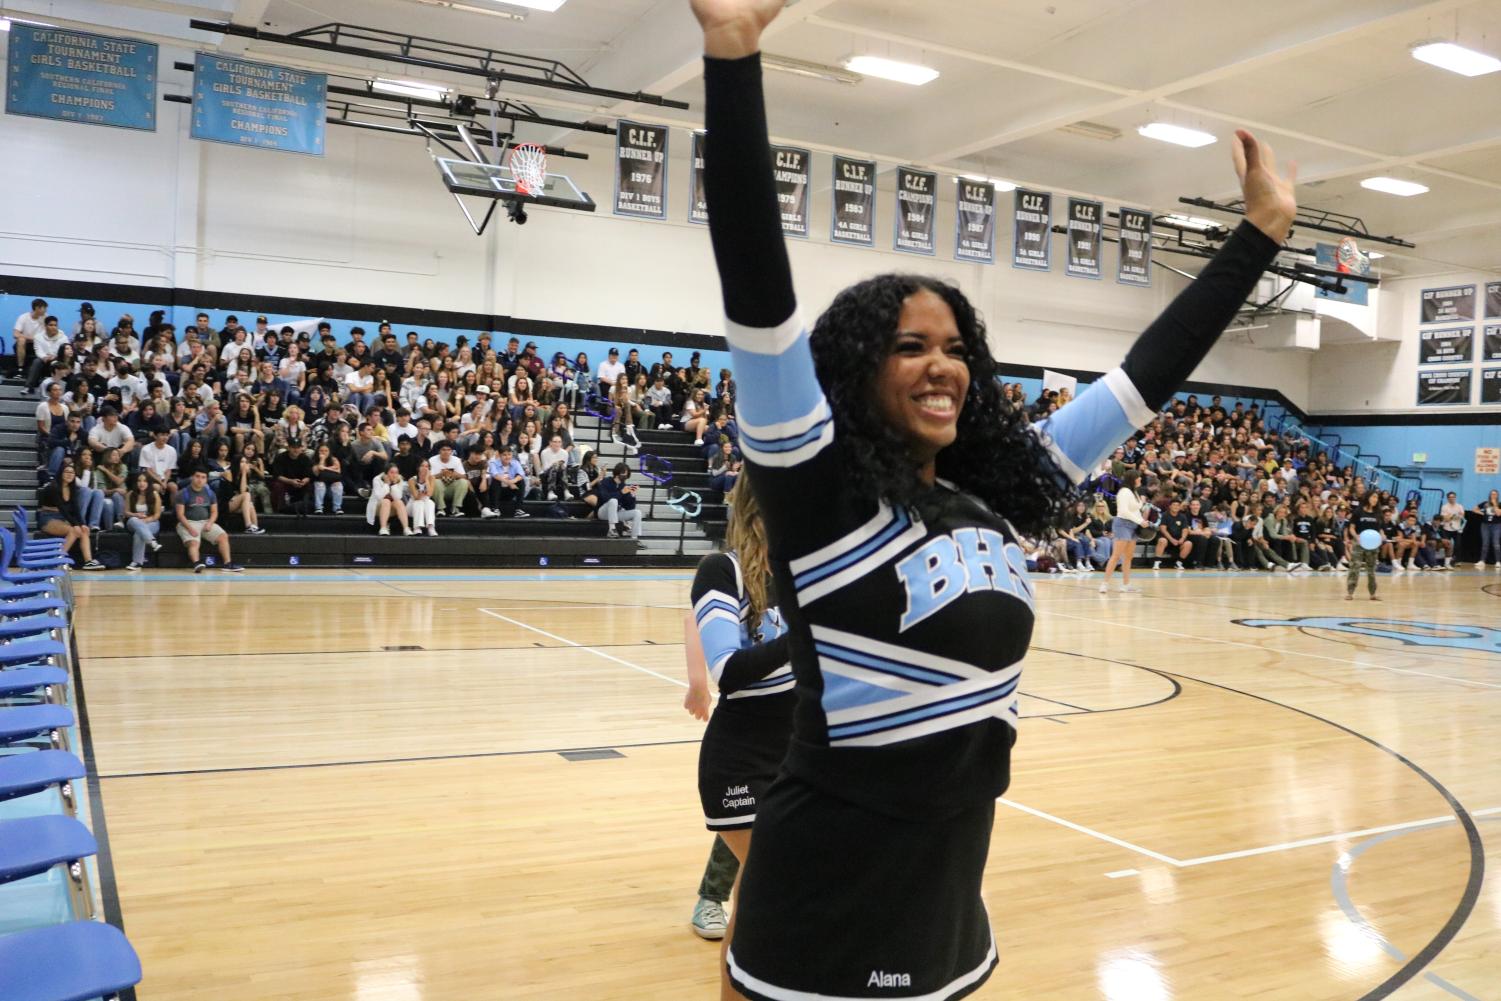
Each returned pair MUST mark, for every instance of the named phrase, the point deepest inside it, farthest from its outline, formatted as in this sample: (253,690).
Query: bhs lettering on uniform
(963,562)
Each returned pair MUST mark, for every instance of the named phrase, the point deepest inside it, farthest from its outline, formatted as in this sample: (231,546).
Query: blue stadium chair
(23,680)
(71,962)
(36,771)
(48,559)
(22,723)
(31,625)
(30,605)
(30,651)
(32,845)
(10,576)
(22,520)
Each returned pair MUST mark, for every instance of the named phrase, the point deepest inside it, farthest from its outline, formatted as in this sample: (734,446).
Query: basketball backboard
(483,180)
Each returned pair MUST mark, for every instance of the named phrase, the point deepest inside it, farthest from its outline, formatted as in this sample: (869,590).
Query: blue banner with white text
(77,76)
(254,104)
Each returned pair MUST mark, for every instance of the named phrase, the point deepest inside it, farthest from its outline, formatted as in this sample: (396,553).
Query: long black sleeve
(1177,341)
(750,664)
(745,222)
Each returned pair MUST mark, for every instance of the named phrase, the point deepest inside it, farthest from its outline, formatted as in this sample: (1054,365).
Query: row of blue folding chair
(82,958)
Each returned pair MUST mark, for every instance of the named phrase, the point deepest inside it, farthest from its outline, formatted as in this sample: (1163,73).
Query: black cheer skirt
(838,902)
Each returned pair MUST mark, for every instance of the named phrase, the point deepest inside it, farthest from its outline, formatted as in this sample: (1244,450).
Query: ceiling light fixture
(409,88)
(1000,185)
(1093,130)
(1176,134)
(1456,58)
(890,69)
(1394,186)
(813,71)
(467,8)
(1196,224)
(543,5)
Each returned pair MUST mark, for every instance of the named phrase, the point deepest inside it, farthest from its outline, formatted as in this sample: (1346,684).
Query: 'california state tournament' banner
(916,211)
(854,202)
(1135,267)
(1085,227)
(641,170)
(1033,219)
(790,169)
(77,76)
(698,202)
(1445,305)
(259,105)
(974,222)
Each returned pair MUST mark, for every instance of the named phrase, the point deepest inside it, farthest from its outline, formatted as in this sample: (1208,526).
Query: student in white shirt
(45,345)
(609,371)
(552,463)
(159,461)
(28,325)
(450,483)
(1128,518)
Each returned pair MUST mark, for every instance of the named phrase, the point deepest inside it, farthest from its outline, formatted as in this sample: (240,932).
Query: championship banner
(1447,388)
(1135,266)
(1032,248)
(641,170)
(253,104)
(1493,300)
(1490,348)
(790,169)
(1326,255)
(698,202)
(1445,305)
(1450,346)
(1085,227)
(974,222)
(854,202)
(76,76)
(916,211)
(1490,388)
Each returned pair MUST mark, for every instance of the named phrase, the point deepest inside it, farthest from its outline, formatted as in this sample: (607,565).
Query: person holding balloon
(1363,543)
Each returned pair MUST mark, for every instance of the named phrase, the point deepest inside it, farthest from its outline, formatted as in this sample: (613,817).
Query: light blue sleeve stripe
(720,639)
(776,388)
(1089,428)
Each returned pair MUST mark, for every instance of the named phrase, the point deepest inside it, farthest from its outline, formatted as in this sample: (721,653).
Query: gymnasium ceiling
(1329,82)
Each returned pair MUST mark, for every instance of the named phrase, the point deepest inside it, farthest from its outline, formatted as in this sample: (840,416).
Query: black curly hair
(995,457)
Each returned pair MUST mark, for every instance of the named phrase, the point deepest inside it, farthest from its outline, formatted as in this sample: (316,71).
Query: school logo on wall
(1432,634)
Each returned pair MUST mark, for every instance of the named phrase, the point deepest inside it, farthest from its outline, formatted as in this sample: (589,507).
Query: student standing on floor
(1364,518)
(1128,518)
(905,591)
(738,638)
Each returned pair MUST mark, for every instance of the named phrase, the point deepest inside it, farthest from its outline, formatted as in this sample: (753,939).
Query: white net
(529,167)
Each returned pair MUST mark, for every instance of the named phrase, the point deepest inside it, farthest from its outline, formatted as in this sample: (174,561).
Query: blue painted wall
(109,313)
(1449,446)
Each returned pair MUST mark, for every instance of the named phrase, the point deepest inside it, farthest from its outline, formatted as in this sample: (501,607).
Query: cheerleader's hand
(732,28)
(698,702)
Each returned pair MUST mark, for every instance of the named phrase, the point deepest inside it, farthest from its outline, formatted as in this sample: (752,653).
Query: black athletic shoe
(199,567)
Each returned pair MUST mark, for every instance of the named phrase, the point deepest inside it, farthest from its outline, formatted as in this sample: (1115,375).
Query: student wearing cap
(609,371)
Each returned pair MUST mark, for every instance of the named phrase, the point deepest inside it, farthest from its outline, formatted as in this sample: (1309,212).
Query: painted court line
(1169,860)
(586,649)
(1328,838)
(1285,653)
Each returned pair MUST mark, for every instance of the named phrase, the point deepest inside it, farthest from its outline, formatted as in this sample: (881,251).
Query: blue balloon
(1370,539)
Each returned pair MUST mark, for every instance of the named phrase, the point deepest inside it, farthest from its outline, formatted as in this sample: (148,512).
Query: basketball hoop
(529,168)
(1349,260)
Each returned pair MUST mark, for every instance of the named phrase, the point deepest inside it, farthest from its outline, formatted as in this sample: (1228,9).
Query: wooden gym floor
(334,785)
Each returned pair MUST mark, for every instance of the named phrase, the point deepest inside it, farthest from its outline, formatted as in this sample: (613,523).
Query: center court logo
(1486,639)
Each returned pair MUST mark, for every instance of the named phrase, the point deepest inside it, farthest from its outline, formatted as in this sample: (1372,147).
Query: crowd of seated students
(288,422)
(1229,493)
